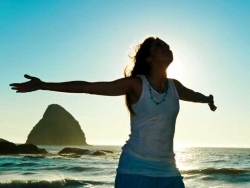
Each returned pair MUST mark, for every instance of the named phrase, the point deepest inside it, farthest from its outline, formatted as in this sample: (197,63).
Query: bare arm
(114,88)
(192,96)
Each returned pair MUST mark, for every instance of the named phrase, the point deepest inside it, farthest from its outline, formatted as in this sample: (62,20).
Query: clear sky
(63,40)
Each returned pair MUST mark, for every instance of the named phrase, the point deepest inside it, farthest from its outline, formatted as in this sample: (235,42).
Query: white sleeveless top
(153,127)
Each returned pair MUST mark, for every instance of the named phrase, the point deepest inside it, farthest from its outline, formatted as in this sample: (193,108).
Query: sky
(66,40)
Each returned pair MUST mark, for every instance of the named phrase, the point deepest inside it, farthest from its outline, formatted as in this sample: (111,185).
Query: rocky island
(9,148)
(57,127)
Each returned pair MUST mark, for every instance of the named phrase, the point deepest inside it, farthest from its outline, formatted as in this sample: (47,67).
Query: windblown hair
(141,66)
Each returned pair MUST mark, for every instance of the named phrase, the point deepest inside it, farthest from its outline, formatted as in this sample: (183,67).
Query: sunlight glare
(174,71)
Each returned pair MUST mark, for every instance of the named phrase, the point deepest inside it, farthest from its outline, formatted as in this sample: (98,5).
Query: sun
(174,71)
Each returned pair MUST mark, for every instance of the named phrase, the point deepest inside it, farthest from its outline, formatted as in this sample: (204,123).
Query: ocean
(200,167)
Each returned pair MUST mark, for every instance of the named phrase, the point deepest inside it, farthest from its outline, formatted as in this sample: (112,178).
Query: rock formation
(30,149)
(78,151)
(57,127)
(9,148)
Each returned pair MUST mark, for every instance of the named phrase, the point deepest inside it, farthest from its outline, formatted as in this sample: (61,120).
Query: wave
(34,156)
(6,164)
(219,171)
(28,173)
(26,164)
(81,169)
(48,184)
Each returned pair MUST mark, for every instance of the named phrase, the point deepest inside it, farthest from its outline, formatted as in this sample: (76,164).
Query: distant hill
(57,127)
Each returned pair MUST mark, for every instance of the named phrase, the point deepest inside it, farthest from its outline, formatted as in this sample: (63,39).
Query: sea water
(201,167)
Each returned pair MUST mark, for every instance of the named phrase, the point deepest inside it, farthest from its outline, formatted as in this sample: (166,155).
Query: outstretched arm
(114,88)
(192,96)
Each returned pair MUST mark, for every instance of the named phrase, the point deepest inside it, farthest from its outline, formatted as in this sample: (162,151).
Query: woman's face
(160,52)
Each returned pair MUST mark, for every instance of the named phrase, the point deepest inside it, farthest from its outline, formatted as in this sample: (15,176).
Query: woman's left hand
(211,103)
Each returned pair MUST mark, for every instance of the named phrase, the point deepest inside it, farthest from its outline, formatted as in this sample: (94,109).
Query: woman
(147,158)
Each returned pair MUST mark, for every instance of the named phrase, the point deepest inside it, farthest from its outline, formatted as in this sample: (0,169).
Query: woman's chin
(170,60)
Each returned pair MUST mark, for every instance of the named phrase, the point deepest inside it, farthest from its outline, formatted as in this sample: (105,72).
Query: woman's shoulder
(177,84)
(136,81)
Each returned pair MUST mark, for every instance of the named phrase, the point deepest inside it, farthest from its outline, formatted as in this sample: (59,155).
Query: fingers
(213,109)
(19,84)
(29,86)
(22,91)
(14,88)
(212,106)
(28,76)
(15,84)
(19,89)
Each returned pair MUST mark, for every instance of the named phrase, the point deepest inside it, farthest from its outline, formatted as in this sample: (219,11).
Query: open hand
(32,85)
(211,103)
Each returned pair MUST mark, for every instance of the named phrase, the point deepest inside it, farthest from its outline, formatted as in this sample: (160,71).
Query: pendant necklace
(150,91)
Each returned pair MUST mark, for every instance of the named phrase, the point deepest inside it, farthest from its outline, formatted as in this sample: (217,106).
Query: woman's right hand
(32,85)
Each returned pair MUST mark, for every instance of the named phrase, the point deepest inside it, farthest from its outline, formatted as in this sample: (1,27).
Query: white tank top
(153,127)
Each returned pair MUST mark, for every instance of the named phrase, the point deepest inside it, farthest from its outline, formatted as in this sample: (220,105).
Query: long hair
(141,66)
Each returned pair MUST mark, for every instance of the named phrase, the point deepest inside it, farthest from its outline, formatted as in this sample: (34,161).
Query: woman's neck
(158,79)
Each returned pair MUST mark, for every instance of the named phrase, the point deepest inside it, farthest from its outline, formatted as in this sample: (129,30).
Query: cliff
(57,127)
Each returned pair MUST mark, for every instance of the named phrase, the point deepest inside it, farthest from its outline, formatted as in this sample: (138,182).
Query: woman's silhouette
(147,159)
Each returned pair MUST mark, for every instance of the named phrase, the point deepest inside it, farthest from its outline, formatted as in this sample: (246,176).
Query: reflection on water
(201,167)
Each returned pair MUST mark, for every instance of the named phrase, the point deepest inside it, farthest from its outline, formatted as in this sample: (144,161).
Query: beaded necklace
(152,87)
